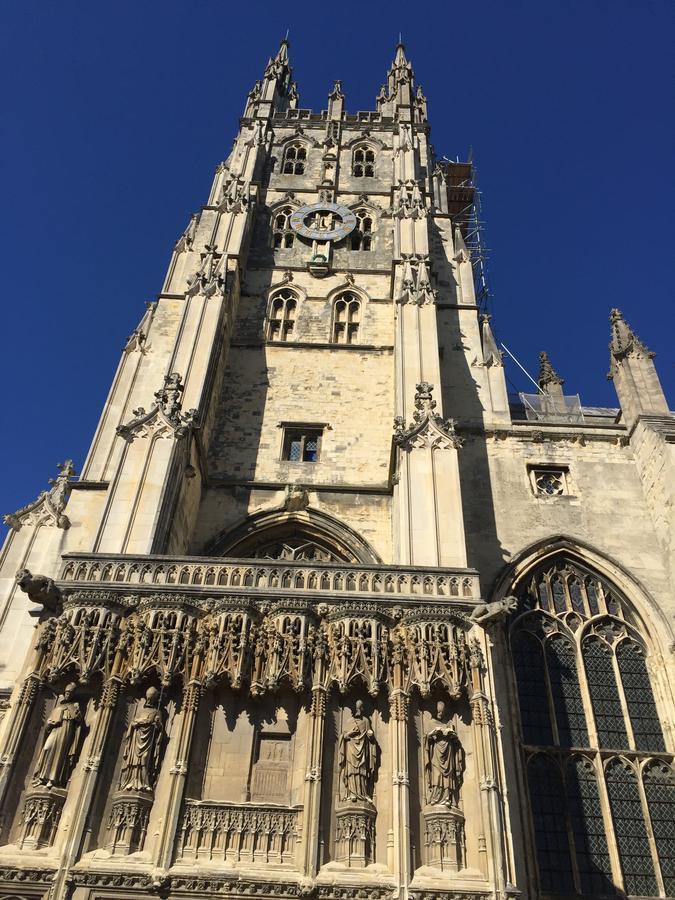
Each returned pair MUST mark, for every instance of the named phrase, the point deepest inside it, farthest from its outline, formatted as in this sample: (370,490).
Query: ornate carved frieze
(288,577)
(297,643)
(238,833)
(48,508)
(427,429)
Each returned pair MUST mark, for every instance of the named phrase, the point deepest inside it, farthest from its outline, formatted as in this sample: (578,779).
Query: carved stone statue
(40,589)
(491,613)
(358,757)
(444,760)
(63,727)
(142,746)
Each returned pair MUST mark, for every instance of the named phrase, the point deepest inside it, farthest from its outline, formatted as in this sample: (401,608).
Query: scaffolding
(464,205)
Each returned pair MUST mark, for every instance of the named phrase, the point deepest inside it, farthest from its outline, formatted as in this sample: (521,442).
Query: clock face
(323,221)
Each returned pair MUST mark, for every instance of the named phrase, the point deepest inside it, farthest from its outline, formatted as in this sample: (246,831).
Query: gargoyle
(491,613)
(40,589)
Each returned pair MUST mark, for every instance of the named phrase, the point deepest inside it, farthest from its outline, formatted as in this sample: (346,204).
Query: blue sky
(116,114)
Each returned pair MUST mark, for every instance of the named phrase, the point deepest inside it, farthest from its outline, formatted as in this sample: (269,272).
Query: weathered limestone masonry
(326,614)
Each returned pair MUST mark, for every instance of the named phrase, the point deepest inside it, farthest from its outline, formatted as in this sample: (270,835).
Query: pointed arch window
(282,233)
(281,319)
(362,236)
(590,726)
(295,159)
(346,319)
(363,161)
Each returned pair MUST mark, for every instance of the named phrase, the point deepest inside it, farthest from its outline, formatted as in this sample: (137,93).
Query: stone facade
(326,613)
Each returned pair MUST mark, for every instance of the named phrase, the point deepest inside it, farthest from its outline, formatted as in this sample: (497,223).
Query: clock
(323,221)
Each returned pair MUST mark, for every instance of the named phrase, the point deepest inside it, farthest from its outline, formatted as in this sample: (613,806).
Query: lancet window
(282,233)
(599,773)
(363,162)
(281,319)
(346,319)
(295,159)
(362,236)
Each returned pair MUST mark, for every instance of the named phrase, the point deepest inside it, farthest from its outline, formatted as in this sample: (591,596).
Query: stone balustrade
(237,833)
(273,576)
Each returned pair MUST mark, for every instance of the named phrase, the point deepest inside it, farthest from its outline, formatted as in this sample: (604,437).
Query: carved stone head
(151,696)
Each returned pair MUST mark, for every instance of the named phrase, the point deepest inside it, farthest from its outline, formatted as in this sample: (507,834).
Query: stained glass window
(528,659)
(659,784)
(629,829)
(567,702)
(550,830)
(588,828)
(607,708)
(582,617)
(639,697)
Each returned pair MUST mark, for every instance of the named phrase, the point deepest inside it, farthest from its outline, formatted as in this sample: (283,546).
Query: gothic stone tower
(325,615)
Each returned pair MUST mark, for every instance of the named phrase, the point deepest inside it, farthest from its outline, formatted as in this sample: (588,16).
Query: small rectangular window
(302,444)
(549,481)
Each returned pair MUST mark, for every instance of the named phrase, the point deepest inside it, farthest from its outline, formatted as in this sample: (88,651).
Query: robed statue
(142,746)
(358,757)
(444,760)
(62,742)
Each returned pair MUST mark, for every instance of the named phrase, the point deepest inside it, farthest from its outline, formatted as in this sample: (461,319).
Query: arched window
(362,236)
(363,162)
(346,319)
(295,159)
(281,319)
(589,723)
(282,233)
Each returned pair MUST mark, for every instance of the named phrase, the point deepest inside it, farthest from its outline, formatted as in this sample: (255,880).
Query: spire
(282,52)
(548,375)
(277,91)
(624,341)
(398,95)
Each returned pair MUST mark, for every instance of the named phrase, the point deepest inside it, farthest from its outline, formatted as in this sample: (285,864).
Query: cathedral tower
(326,613)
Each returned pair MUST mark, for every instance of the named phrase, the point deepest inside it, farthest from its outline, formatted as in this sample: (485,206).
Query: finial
(624,340)
(547,374)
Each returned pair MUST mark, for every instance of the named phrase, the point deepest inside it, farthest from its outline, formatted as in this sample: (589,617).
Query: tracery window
(281,319)
(295,159)
(598,770)
(363,162)
(362,236)
(346,319)
(282,233)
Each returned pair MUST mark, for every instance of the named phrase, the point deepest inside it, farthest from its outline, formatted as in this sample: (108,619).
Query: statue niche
(444,760)
(62,743)
(355,814)
(358,757)
(444,763)
(142,746)
(132,802)
(55,763)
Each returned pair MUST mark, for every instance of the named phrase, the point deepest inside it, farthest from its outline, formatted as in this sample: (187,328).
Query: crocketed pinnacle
(547,374)
(624,341)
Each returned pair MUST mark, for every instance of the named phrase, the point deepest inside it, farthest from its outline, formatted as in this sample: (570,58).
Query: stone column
(312,793)
(492,854)
(173,797)
(399,706)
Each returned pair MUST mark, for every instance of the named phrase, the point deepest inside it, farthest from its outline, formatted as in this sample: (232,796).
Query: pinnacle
(624,340)
(547,374)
